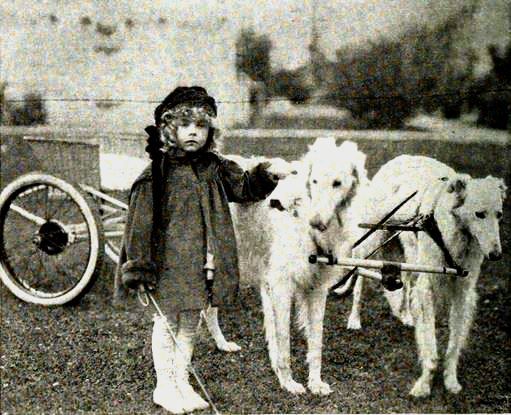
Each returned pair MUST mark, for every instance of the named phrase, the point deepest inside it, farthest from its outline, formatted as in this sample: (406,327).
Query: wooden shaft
(390,227)
(376,264)
(383,220)
(369,274)
(103,196)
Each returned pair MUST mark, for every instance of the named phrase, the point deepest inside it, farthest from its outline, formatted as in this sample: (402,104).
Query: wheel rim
(46,259)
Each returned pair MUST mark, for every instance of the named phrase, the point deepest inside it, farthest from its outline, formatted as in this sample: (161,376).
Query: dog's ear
(359,167)
(323,144)
(500,184)
(349,147)
(350,151)
(458,186)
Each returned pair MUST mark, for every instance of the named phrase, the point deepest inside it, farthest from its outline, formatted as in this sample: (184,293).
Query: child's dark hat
(194,95)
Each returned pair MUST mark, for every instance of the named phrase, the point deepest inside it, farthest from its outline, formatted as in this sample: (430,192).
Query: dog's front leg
(354,317)
(409,244)
(315,301)
(424,311)
(460,320)
(280,295)
(360,252)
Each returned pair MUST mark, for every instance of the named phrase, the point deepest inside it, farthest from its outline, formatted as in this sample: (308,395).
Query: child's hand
(133,280)
(279,168)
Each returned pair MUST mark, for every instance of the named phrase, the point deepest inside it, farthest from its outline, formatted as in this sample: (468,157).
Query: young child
(179,226)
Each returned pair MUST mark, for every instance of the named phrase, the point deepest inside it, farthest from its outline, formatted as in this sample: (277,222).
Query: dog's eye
(315,181)
(499,215)
(481,215)
(336,183)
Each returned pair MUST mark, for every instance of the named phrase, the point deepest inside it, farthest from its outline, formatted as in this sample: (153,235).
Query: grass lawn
(92,358)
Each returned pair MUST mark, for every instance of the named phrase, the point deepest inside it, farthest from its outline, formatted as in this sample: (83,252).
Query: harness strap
(430,226)
(350,273)
(383,220)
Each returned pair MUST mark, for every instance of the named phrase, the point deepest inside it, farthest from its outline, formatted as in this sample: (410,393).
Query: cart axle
(52,238)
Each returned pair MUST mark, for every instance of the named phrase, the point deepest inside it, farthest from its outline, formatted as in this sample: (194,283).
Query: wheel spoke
(19,244)
(25,265)
(27,215)
(41,268)
(46,203)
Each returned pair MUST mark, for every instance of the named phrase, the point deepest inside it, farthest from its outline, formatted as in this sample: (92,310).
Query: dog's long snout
(317,223)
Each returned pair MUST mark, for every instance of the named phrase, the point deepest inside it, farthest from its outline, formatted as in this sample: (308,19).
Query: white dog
(309,214)
(467,212)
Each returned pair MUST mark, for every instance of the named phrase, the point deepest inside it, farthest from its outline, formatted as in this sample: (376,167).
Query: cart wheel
(51,240)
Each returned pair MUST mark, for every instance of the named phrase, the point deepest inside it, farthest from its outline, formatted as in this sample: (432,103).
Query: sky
(194,44)
(288,22)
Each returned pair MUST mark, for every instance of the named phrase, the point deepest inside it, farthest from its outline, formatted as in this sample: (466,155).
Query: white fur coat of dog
(311,214)
(468,212)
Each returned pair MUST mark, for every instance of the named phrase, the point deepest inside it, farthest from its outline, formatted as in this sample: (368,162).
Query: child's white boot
(166,393)
(192,400)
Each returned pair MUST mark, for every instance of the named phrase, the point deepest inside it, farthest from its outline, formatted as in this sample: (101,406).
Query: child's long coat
(179,251)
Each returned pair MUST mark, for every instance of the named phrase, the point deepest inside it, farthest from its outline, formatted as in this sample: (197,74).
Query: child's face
(191,135)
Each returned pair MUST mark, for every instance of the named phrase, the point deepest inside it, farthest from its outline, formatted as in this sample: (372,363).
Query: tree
(32,112)
(253,55)
(289,84)
(384,84)
(3,104)
(491,95)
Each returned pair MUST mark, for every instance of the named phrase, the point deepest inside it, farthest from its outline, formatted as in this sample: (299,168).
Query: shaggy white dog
(467,212)
(308,213)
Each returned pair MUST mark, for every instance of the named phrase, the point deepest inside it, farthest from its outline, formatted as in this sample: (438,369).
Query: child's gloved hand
(278,168)
(133,280)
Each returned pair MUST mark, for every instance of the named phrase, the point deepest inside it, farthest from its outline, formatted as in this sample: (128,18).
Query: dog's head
(333,174)
(477,204)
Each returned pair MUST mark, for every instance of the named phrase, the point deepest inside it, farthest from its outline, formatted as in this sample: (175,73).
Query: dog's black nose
(275,204)
(495,256)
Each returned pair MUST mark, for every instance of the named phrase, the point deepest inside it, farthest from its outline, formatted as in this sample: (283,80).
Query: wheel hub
(51,238)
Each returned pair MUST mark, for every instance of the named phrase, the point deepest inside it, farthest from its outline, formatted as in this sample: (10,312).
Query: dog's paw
(452,385)
(319,388)
(228,347)
(294,387)
(421,389)
(354,323)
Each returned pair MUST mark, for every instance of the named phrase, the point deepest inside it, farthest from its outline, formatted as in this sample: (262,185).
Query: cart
(59,219)
(54,236)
